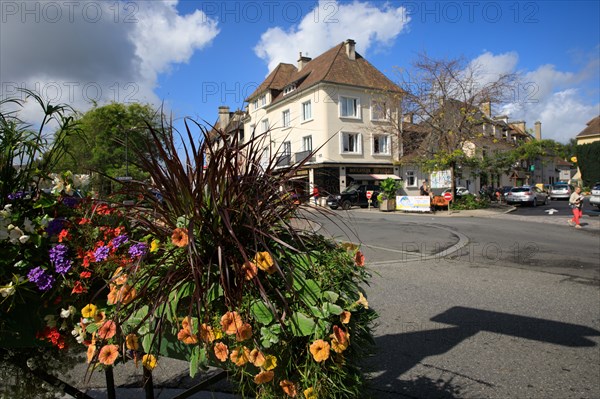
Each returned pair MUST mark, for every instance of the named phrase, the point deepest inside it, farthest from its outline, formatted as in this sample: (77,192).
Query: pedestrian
(316,195)
(424,189)
(576,204)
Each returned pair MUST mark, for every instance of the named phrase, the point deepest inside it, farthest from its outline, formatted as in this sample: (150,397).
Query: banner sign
(415,203)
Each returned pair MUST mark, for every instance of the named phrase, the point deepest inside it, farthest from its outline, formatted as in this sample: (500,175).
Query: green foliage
(389,187)
(105,141)
(470,201)
(588,156)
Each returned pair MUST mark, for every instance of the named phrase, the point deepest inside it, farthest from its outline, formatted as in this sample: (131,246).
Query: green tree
(587,160)
(105,143)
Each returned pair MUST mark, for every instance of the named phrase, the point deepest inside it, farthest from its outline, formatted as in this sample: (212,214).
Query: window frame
(303,106)
(410,174)
(341,100)
(305,140)
(388,151)
(289,118)
(358,143)
(386,111)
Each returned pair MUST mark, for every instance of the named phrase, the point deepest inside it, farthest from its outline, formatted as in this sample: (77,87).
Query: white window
(351,143)
(307,143)
(285,116)
(289,89)
(264,125)
(287,148)
(306,111)
(381,144)
(379,111)
(349,107)
(255,104)
(411,180)
(252,130)
(263,100)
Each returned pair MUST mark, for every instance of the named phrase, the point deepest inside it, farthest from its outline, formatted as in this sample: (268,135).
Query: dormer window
(289,88)
(262,100)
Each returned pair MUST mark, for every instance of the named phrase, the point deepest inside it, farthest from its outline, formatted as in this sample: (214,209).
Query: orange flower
(221,351)
(250,270)
(180,237)
(257,358)
(206,333)
(263,377)
(125,294)
(320,350)
(240,357)
(119,277)
(108,354)
(359,259)
(187,337)
(362,301)
(107,330)
(63,235)
(339,340)
(264,261)
(91,351)
(289,388)
(345,317)
(78,288)
(231,322)
(244,332)
(131,341)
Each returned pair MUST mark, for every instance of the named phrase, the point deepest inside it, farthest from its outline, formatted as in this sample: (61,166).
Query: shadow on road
(399,353)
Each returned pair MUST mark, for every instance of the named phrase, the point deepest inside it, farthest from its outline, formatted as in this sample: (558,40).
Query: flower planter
(387,205)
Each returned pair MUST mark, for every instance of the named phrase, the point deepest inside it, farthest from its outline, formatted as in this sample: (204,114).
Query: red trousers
(576,215)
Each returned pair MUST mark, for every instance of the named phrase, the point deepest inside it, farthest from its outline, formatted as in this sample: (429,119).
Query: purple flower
(119,240)
(58,256)
(138,250)
(17,195)
(55,226)
(41,278)
(71,202)
(101,253)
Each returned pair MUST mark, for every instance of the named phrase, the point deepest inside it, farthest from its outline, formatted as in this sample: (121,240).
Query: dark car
(354,195)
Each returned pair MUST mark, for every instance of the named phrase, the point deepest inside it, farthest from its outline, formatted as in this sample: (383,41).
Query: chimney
(538,130)
(486,108)
(350,50)
(521,126)
(223,117)
(302,61)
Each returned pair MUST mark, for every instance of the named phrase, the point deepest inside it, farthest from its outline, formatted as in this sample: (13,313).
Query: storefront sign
(413,203)
(441,179)
(367,171)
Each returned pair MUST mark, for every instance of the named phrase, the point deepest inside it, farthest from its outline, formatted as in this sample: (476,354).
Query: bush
(470,201)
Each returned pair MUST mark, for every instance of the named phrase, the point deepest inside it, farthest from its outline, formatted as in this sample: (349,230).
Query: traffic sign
(448,196)
(369,194)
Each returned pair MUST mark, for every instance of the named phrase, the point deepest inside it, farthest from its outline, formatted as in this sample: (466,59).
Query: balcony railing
(301,156)
(284,160)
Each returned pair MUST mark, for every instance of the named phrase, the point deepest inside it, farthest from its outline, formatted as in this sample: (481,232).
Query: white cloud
(85,51)
(329,23)
(555,98)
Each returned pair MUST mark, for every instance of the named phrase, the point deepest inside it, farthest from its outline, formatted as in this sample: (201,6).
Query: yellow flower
(345,317)
(362,301)
(149,362)
(154,245)
(320,350)
(309,393)
(270,362)
(89,311)
(264,261)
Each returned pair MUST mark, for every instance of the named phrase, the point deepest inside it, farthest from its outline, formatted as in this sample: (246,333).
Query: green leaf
(310,292)
(147,342)
(331,296)
(315,311)
(270,335)
(198,360)
(330,308)
(301,324)
(92,328)
(261,312)
(323,328)
(214,292)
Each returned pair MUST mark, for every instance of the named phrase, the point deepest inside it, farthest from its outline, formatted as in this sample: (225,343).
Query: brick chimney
(350,49)
(223,117)
(538,130)
(302,61)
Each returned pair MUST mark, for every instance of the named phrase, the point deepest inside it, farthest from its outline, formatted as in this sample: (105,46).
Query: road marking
(551,211)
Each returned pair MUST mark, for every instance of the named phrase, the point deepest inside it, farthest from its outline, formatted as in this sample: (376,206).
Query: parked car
(595,198)
(460,191)
(354,195)
(527,195)
(561,191)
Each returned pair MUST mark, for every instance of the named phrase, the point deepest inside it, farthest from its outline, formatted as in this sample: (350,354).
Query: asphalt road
(513,312)
(560,207)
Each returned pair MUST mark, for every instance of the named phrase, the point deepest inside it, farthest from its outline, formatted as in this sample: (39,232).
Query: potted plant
(387,197)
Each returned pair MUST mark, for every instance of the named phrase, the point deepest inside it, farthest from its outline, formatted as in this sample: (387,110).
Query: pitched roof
(333,66)
(592,129)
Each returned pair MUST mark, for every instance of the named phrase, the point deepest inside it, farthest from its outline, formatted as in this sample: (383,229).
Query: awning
(373,177)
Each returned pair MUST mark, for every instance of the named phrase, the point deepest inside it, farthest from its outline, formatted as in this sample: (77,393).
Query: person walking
(316,195)
(576,204)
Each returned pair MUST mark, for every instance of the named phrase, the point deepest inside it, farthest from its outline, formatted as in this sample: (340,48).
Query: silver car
(561,191)
(530,195)
(595,198)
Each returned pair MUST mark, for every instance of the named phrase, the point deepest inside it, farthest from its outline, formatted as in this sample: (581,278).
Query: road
(512,312)
(560,207)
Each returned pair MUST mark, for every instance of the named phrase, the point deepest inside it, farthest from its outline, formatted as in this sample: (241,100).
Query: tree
(105,142)
(451,99)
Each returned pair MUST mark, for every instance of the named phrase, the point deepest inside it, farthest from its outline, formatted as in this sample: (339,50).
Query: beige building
(591,133)
(328,108)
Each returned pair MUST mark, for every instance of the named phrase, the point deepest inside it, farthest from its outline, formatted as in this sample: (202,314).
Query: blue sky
(195,56)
